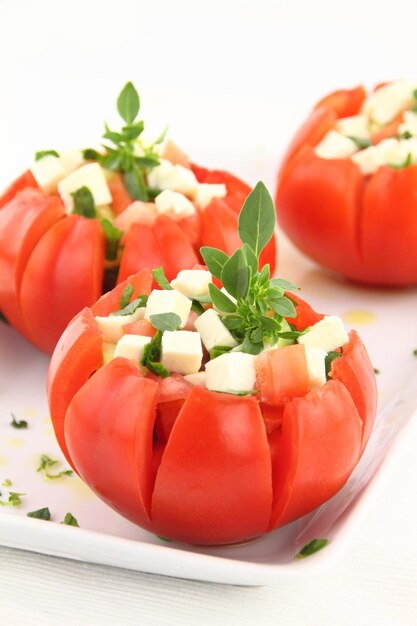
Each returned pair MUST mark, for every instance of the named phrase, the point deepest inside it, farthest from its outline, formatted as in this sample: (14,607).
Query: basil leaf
(130,308)
(218,351)
(113,236)
(136,185)
(128,103)
(160,278)
(283,284)
(84,203)
(126,295)
(235,275)
(133,130)
(112,160)
(220,300)
(240,393)
(19,424)
(70,520)
(311,547)
(257,335)
(284,306)
(147,161)
(113,136)
(330,357)
(257,219)
(250,347)
(251,258)
(214,259)
(165,321)
(44,514)
(197,307)
(264,275)
(91,155)
(43,153)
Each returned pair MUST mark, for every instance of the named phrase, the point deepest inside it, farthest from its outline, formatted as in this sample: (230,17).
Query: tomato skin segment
(110,301)
(111,442)
(344,102)
(208,490)
(282,375)
(26,180)
(77,355)
(70,253)
(315,453)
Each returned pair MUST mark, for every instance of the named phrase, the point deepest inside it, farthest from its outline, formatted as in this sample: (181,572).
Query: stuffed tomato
(80,222)
(218,406)
(347,188)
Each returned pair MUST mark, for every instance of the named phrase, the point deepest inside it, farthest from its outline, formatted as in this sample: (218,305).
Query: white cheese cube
(168,301)
(48,171)
(316,366)
(207,192)
(410,146)
(410,123)
(91,176)
(192,283)
(112,326)
(212,330)
(173,204)
(354,126)
(328,334)
(233,371)
(198,379)
(131,347)
(335,146)
(388,101)
(392,152)
(174,177)
(369,160)
(181,351)
(71,160)
(136,213)
(108,351)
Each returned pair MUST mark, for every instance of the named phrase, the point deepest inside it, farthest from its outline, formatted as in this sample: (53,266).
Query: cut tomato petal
(306,315)
(141,250)
(344,102)
(25,181)
(177,251)
(121,198)
(282,374)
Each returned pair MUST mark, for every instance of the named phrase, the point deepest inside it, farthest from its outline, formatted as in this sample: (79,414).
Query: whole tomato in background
(191,463)
(347,186)
(58,255)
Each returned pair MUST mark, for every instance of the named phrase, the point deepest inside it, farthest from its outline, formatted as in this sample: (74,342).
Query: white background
(233,80)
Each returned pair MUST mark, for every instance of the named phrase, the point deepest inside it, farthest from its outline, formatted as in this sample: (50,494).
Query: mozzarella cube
(355,126)
(335,146)
(71,160)
(173,204)
(168,301)
(410,123)
(213,332)
(198,379)
(136,213)
(392,152)
(112,325)
(91,176)
(173,177)
(328,334)
(192,283)
(48,171)
(181,351)
(388,101)
(369,160)
(316,365)
(108,351)
(410,146)
(233,371)
(206,192)
(131,347)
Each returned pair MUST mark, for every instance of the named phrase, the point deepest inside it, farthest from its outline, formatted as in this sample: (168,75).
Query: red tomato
(363,227)
(204,467)
(52,264)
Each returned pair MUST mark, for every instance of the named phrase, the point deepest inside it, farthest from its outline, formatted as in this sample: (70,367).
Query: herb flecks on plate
(45,464)
(18,424)
(313,546)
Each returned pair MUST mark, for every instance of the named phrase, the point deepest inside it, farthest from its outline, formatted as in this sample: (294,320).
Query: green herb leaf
(252,392)
(6,483)
(113,236)
(376,371)
(284,306)
(133,130)
(14,499)
(152,354)
(165,321)
(361,142)
(235,275)
(214,259)
(126,295)
(91,155)
(331,356)
(250,257)
(128,103)
(84,203)
(164,538)
(45,463)
(130,308)
(197,307)
(44,514)
(399,166)
(406,135)
(220,300)
(218,351)
(160,278)
(70,520)
(43,153)
(135,184)
(283,284)
(257,219)
(311,547)
(20,424)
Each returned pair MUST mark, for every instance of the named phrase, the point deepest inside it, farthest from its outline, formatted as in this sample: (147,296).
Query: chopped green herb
(361,142)
(44,514)
(165,321)
(43,153)
(311,547)
(160,278)
(70,520)
(406,135)
(377,371)
(6,483)
(218,351)
(13,500)
(84,203)
(152,355)
(126,295)
(164,538)
(330,357)
(19,424)
(113,236)
(46,463)
(399,166)
(130,308)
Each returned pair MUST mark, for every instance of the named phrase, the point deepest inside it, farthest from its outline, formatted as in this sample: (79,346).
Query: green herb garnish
(376,371)
(330,357)
(165,321)
(46,463)
(84,203)
(43,153)
(406,135)
(311,547)
(415,352)
(113,236)
(361,142)
(126,295)
(130,308)
(70,520)
(218,351)
(152,355)
(161,279)
(121,146)
(19,424)
(6,483)
(13,500)
(399,166)
(44,514)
